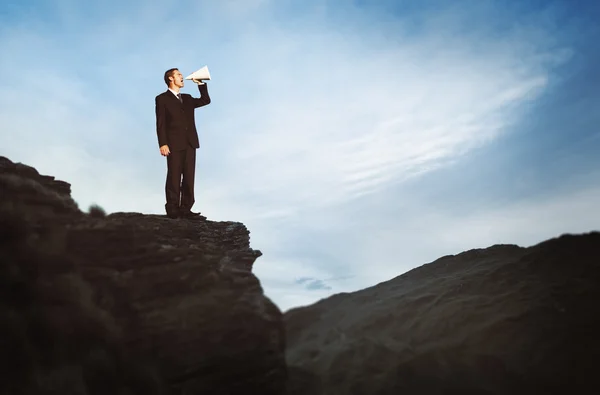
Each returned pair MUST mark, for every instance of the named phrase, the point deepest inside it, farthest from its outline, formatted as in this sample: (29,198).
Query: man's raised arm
(204,97)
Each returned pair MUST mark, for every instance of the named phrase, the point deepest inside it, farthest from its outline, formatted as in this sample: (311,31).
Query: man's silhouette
(178,141)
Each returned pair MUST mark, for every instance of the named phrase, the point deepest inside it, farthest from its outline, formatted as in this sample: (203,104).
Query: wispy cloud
(312,284)
(347,120)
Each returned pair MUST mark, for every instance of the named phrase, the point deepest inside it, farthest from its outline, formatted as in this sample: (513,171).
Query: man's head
(173,78)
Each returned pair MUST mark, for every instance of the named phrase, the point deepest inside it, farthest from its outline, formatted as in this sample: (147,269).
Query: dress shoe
(191,215)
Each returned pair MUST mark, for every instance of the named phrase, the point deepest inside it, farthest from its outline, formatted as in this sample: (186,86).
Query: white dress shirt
(175,93)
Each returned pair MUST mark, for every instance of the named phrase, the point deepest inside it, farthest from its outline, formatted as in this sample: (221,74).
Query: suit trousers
(179,187)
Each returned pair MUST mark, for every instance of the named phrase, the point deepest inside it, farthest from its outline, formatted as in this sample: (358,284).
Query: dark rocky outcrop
(128,303)
(501,320)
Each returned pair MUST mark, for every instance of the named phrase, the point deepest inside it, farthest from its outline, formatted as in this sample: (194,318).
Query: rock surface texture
(501,320)
(128,303)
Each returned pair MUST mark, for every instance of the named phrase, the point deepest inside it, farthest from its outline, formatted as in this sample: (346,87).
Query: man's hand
(164,150)
(199,82)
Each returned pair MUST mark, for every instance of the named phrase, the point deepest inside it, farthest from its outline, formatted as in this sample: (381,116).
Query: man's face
(177,78)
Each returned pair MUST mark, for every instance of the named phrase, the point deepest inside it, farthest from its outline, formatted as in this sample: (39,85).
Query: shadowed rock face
(128,303)
(501,320)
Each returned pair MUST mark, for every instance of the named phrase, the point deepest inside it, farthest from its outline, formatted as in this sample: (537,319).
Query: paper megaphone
(200,75)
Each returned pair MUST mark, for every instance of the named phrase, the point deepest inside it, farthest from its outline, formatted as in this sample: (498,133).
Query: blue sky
(355,139)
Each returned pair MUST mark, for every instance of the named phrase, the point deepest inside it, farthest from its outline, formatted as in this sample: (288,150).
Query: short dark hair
(169,73)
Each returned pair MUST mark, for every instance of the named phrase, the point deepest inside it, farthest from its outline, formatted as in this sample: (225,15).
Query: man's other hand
(164,150)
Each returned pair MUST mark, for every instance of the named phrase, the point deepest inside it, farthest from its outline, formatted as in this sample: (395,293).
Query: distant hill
(501,320)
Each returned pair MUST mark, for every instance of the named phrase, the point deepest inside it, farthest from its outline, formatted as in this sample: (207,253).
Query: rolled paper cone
(201,74)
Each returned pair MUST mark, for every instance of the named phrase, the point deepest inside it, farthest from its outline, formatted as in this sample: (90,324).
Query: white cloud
(334,131)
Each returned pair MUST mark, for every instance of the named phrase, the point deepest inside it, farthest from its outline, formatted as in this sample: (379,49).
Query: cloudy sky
(355,139)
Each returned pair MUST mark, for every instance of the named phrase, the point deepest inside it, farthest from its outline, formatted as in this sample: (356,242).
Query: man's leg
(187,186)
(173,183)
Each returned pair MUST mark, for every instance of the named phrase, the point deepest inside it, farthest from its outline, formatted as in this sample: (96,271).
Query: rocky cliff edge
(128,303)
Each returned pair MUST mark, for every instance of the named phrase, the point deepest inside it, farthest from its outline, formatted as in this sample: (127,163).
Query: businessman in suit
(178,141)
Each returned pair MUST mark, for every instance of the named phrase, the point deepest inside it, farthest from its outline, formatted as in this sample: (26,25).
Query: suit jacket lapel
(173,97)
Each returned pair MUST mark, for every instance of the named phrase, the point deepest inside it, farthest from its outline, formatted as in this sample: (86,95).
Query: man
(178,141)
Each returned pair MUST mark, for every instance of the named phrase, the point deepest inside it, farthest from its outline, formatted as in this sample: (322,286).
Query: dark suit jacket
(175,123)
